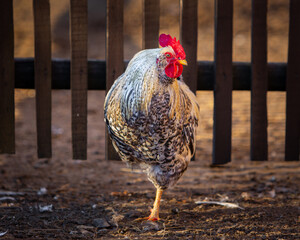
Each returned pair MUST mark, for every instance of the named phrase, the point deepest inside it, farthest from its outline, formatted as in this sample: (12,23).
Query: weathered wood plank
(292,137)
(24,75)
(78,24)
(42,66)
(188,38)
(151,12)
(259,122)
(223,82)
(7,104)
(114,56)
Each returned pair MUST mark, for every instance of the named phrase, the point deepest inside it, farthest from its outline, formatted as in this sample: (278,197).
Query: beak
(183,62)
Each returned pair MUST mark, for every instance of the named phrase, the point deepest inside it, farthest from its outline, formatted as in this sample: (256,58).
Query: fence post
(151,11)
(114,57)
(188,38)
(292,137)
(7,78)
(43,73)
(259,122)
(78,30)
(223,82)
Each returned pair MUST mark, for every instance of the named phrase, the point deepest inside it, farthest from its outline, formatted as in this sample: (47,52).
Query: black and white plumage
(151,117)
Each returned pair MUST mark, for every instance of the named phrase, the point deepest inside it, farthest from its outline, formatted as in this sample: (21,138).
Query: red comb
(167,40)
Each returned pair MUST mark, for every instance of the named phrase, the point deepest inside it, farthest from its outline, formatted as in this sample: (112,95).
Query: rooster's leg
(154,216)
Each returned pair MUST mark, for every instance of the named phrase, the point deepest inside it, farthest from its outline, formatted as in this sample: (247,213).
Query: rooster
(151,115)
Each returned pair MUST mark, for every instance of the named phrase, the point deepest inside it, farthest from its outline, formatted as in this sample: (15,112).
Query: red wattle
(174,70)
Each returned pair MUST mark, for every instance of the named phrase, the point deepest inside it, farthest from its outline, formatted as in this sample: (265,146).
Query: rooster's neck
(164,79)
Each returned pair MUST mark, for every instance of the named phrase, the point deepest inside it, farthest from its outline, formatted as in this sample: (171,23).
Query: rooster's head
(172,56)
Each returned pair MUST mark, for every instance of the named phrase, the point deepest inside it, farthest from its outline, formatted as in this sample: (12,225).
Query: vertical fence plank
(292,137)
(7,81)
(188,37)
(78,23)
(151,12)
(259,122)
(42,68)
(223,82)
(114,56)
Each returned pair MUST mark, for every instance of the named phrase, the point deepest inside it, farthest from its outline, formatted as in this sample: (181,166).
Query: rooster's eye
(168,55)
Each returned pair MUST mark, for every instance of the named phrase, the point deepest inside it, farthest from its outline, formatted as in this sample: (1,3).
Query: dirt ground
(61,198)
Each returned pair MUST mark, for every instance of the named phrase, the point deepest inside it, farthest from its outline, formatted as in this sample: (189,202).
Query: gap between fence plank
(114,57)
(7,103)
(42,66)
(223,82)
(259,122)
(292,137)
(78,28)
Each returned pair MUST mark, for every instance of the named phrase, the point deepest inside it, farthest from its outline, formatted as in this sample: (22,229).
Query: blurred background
(169,22)
(278,14)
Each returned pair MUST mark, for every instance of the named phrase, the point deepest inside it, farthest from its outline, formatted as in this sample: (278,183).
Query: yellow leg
(154,216)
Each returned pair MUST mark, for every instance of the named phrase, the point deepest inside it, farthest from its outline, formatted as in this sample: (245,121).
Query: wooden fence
(80,74)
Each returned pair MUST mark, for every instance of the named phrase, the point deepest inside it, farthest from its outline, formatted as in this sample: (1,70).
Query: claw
(153,219)
(141,219)
(150,218)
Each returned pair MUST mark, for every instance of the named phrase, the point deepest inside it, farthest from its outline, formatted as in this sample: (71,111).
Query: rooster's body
(151,116)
